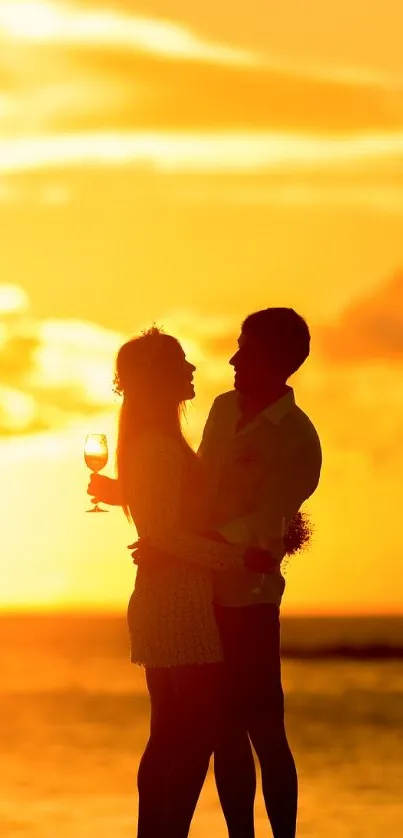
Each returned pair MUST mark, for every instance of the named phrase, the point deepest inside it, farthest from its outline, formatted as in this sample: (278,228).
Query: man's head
(273,344)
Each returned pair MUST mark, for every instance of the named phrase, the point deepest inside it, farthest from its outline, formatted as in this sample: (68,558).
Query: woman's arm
(154,496)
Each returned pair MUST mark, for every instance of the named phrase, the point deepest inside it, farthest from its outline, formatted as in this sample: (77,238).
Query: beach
(74,717)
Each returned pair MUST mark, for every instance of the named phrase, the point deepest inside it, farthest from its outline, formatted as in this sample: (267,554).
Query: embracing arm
(292,481)
(154,496)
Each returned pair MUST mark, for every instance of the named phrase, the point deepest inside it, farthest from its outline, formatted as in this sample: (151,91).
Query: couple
(213,529)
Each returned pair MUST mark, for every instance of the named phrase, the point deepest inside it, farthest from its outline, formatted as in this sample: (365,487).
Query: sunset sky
(186,163)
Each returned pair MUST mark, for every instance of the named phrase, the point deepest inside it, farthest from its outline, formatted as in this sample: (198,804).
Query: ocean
(74,715)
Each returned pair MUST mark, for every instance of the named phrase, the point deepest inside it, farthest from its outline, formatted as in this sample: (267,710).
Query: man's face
(253,367)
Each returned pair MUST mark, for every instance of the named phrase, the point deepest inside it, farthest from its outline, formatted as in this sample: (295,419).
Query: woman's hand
(104,489)
(144,553)
(260,561)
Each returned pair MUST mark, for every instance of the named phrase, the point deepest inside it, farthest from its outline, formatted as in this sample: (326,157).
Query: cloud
(200,335)
(54,371)
(42,22)
(224,153)
(358,411)
(65,68)
(351,383)
(51,371)
(369,330)
(13,301)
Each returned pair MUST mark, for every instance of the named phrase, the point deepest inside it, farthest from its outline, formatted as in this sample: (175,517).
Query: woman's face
(179,373)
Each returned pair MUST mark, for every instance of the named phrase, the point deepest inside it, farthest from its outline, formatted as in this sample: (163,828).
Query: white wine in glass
(96,458)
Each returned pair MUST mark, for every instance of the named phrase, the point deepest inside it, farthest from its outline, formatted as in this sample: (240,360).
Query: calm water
(74,721)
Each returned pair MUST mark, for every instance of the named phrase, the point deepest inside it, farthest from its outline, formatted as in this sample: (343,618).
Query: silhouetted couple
(213,529)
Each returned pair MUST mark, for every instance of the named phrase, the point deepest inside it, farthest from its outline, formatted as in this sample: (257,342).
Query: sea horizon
(308,635)
(75,716)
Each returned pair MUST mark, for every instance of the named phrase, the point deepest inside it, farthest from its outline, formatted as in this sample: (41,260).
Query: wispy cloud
(215,152)
(54,371)
(41,22)
(369,330)
(51,371)
(352,385)
(66,68)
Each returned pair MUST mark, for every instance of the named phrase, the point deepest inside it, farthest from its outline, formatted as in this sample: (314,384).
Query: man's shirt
(260,476)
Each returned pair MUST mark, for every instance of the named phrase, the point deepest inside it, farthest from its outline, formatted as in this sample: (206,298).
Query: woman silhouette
(171,620)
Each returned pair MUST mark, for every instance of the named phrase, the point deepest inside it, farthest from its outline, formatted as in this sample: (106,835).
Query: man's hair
(283,332)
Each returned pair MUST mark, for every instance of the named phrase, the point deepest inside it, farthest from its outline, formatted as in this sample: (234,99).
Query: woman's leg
(186,707)
(154,766)
(198,697)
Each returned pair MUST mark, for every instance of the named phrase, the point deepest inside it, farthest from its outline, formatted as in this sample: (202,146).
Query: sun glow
(29,19)
(13,299)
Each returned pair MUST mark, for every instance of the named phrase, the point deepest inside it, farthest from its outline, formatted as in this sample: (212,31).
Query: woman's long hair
(146,378)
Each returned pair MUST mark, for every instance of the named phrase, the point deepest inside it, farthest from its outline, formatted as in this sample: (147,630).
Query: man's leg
(266,721)
(234,765)
(279,775)
(251,642)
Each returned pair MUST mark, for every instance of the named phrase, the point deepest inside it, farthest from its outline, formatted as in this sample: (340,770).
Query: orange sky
(179,164)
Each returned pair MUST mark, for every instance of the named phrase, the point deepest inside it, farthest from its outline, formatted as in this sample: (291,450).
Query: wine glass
(96,458)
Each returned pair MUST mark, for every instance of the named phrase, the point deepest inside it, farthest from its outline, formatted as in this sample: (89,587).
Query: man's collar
(276,411)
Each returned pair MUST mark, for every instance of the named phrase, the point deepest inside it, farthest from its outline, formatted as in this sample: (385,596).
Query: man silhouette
(263,457)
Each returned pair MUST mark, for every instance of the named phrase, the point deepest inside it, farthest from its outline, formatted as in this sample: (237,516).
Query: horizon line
(89,611)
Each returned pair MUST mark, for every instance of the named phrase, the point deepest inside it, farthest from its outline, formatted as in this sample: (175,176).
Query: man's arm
(294,480)
(255,559)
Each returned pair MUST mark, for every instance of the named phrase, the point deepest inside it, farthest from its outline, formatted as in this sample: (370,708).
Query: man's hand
(260,561)
(104,489)
(143,553)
